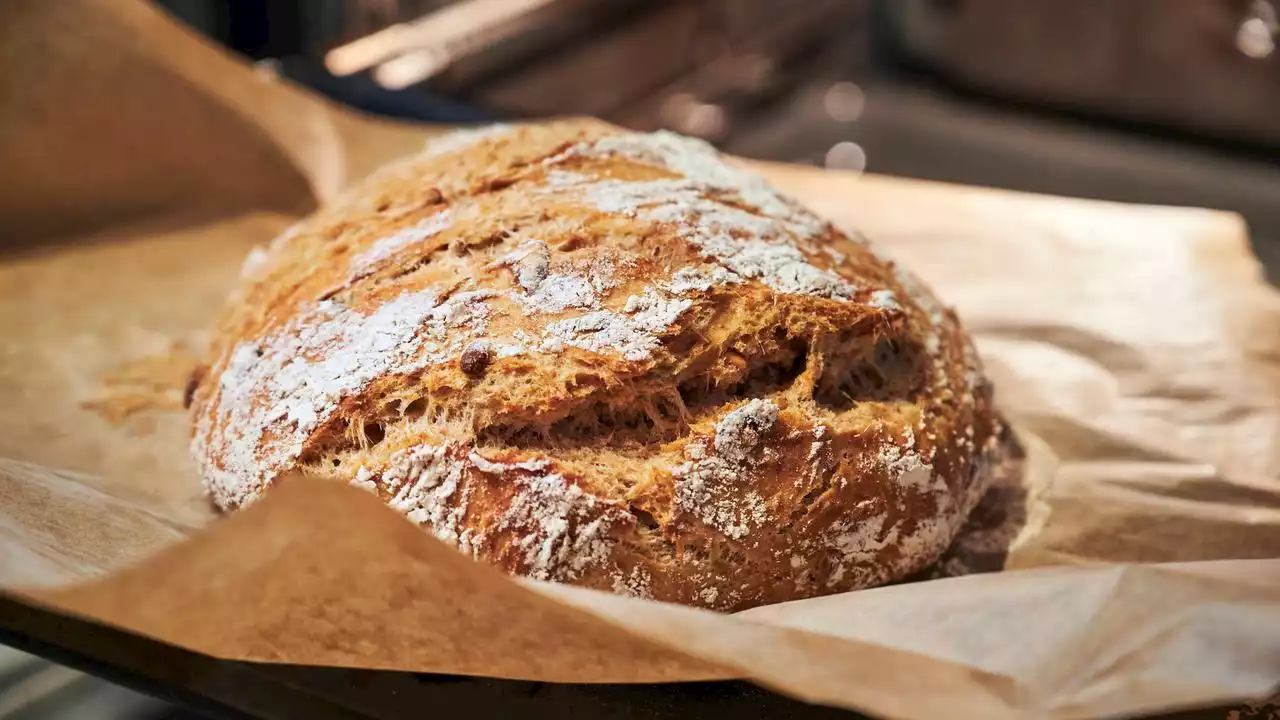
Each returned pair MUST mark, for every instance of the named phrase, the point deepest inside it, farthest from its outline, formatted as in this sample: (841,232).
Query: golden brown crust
(609,359)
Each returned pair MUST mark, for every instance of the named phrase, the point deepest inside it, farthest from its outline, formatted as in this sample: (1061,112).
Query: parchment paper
(1134,349)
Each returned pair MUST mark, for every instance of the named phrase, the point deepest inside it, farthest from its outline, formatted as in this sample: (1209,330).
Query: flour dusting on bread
(605,358)
(426,484)
(387,246)
(714,485)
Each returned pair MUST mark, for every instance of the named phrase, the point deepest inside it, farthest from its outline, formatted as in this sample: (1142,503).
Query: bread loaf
(609,359)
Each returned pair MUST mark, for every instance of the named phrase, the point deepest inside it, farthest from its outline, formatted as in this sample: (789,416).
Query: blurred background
(1129,100)
(1145,101)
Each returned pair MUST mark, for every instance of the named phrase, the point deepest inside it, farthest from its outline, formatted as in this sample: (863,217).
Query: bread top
(608,358)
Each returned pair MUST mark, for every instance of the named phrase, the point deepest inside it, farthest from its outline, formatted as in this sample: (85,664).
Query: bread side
(604,358)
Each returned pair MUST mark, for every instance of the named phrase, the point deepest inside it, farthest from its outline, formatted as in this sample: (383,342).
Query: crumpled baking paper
(1134,350)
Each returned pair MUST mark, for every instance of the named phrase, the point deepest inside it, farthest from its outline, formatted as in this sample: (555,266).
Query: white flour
(711,487)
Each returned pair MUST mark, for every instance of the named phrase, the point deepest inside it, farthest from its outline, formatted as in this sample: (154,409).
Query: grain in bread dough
(608,359)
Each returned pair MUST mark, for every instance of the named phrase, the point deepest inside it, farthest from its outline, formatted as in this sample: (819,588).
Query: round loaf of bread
(609,359)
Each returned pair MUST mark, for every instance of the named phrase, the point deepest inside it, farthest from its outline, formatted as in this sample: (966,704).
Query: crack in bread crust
(605,358)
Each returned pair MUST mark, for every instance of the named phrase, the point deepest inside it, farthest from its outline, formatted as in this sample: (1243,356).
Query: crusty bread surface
(608,359)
